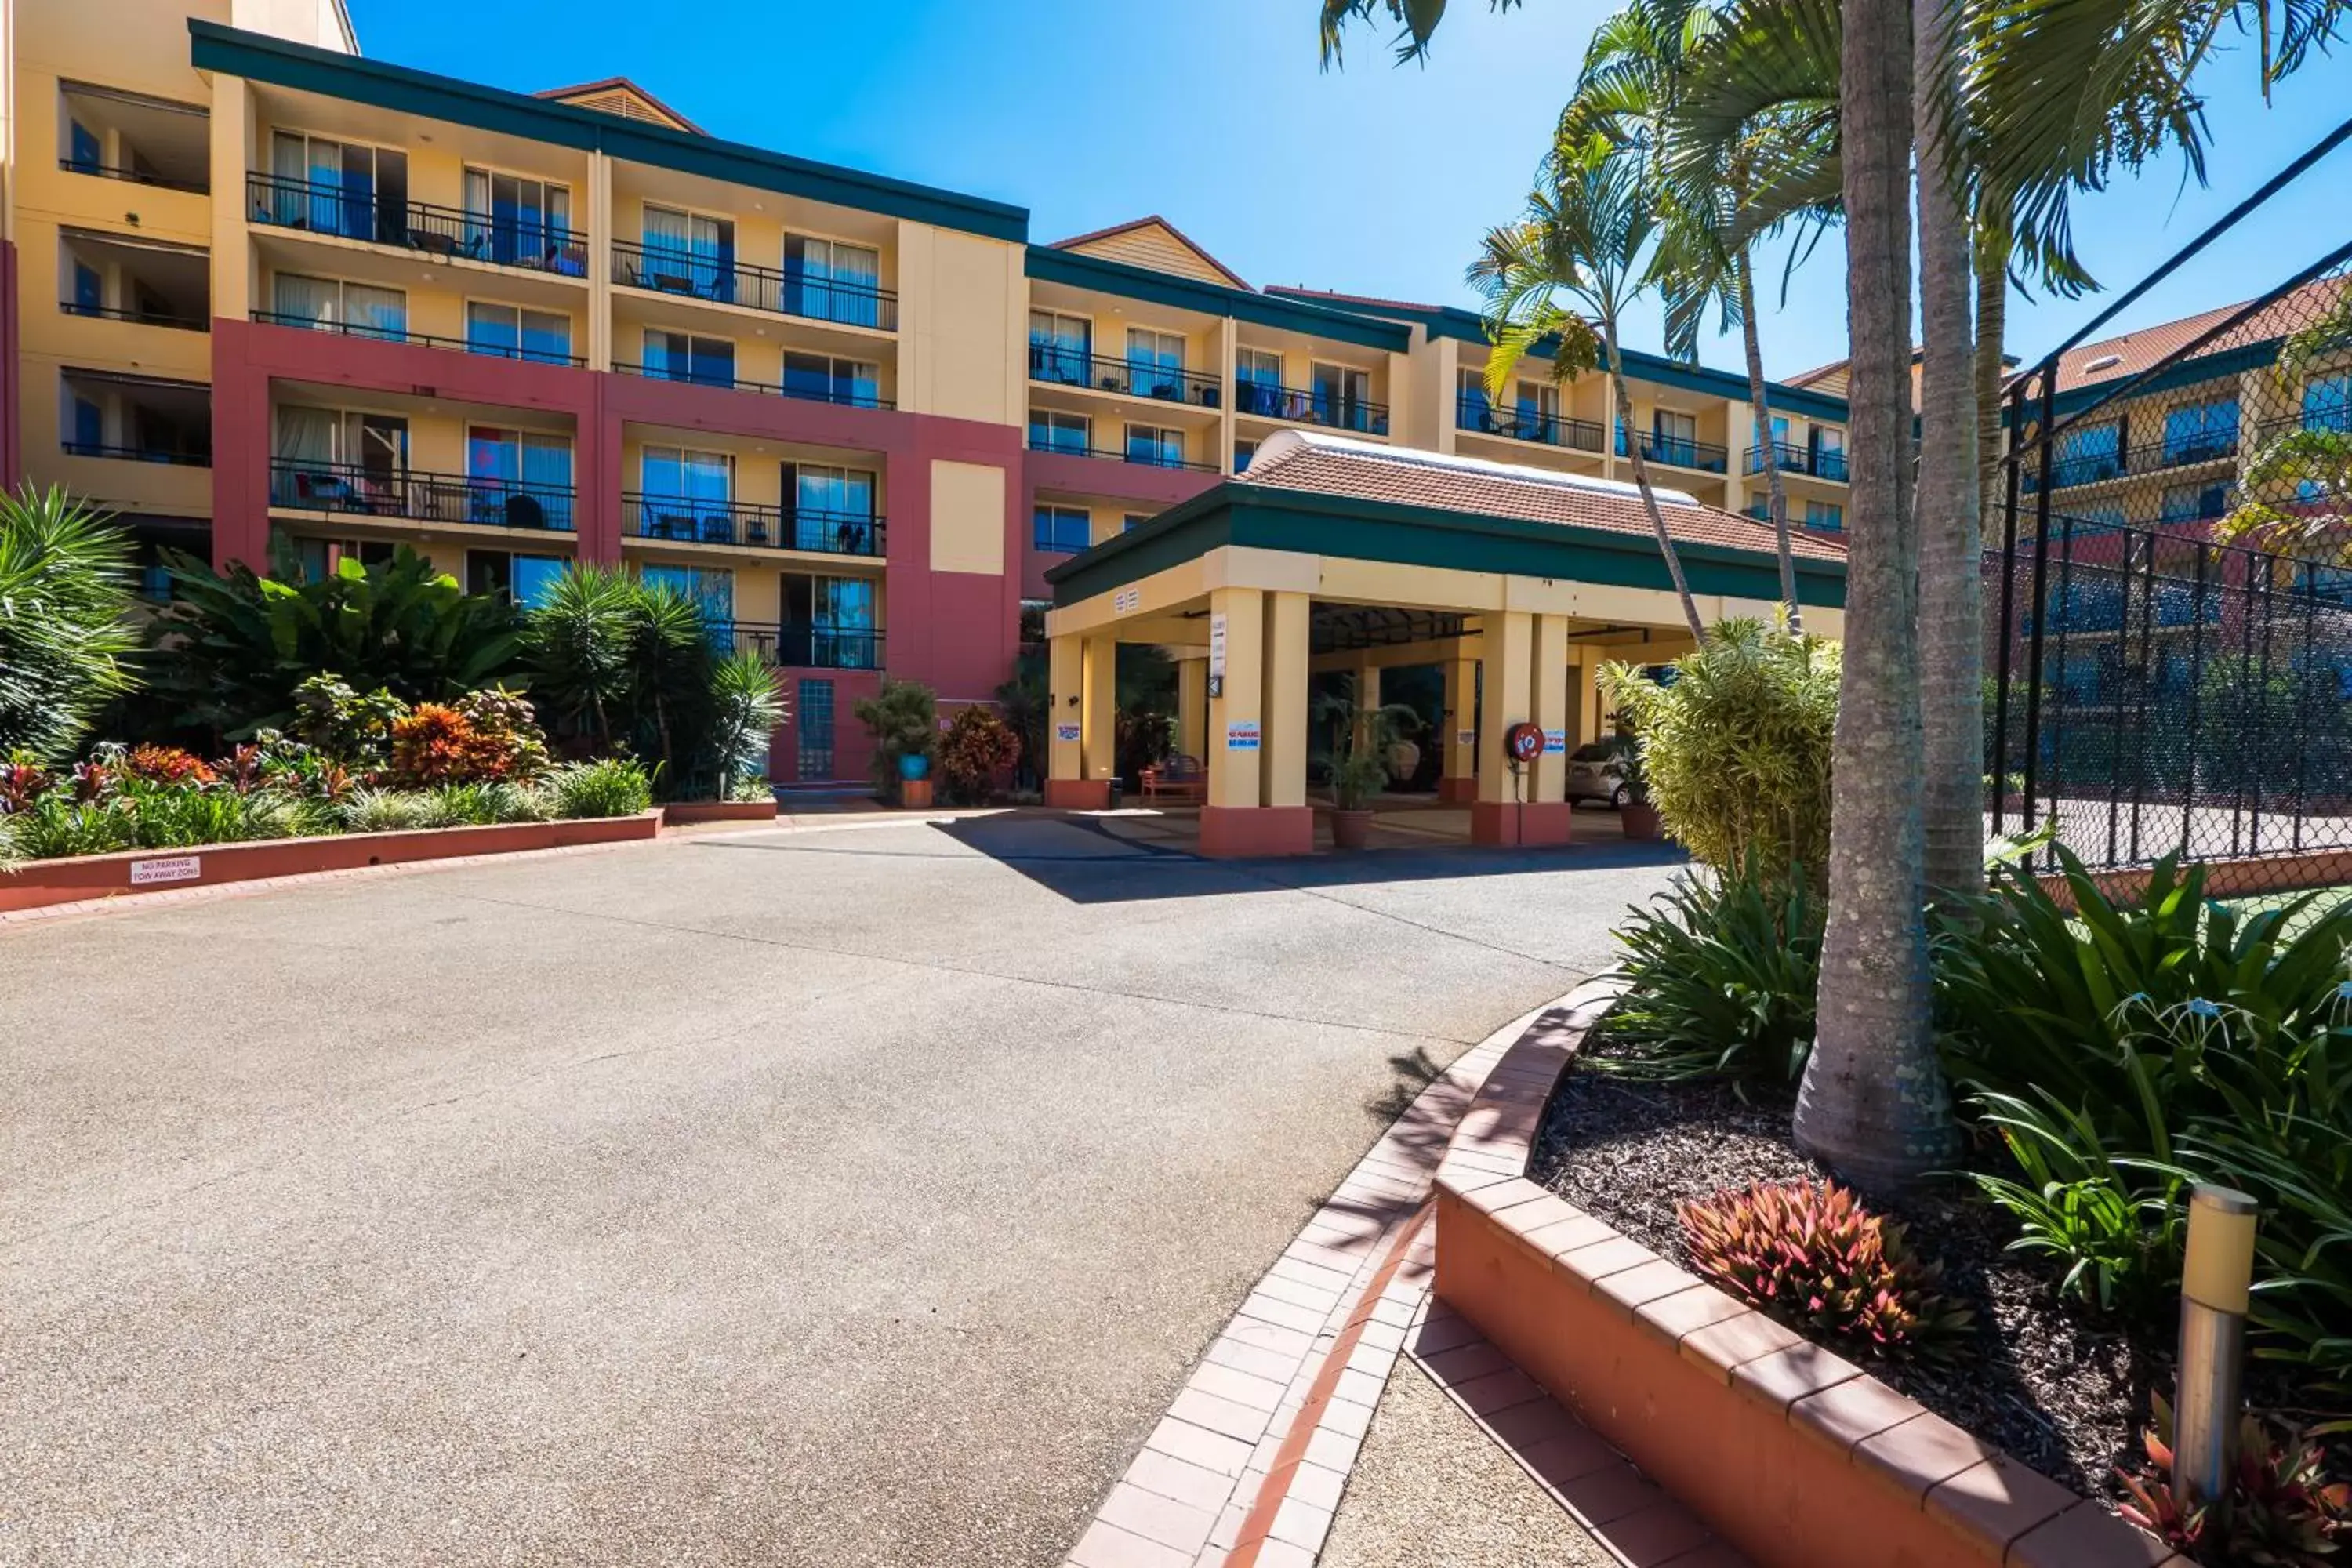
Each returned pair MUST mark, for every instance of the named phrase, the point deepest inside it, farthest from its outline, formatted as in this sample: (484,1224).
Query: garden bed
(39,883)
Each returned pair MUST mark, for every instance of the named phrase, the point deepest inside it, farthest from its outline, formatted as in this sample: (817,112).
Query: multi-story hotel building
(273,301)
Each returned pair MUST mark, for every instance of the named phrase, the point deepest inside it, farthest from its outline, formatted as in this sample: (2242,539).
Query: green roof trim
(234,52)
(1047,264)
(1468,327)
(1305,522)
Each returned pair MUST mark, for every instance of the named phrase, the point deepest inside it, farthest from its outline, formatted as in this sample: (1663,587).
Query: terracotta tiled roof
(1366,471)
(1147,221)
(2117,359)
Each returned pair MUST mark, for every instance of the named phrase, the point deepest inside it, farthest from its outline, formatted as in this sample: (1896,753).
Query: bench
(1178,778)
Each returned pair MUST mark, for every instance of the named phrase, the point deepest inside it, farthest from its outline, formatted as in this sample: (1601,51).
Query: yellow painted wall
(967,518)
(964,326)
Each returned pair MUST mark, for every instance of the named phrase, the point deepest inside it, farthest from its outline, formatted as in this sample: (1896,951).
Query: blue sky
(1373,180)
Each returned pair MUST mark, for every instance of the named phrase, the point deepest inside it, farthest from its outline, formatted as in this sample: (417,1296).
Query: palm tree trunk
(1774,486)
(1950,488)
(1642,482)
(1994,243)
(1873,1105)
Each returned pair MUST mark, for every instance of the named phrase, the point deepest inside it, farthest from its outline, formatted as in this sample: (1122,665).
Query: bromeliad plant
(2281,1511)
(1810,1254)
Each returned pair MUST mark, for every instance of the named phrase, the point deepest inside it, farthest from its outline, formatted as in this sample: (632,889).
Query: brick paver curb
(1247,1466)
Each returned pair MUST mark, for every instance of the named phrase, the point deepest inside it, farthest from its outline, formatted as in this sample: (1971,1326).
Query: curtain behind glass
(304,435)
(375,312)
(309,302)
(547,461)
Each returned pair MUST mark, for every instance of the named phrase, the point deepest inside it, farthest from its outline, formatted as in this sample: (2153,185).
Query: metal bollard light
(2215,1279)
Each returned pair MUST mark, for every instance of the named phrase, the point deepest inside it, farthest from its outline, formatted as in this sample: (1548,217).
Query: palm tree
(1589,234)
(65,641)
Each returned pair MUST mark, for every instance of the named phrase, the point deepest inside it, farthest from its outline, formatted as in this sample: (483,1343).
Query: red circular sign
(1523,742)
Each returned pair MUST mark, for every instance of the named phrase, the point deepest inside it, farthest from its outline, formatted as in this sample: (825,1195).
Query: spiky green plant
(65,645)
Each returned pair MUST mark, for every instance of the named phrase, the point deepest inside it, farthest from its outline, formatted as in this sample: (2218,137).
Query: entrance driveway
(837,1197)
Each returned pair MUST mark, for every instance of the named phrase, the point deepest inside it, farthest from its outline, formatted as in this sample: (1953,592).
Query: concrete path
(843,1197)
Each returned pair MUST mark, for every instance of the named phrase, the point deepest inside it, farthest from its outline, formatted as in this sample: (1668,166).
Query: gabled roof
(2133,353)
(619,95)
(1152,241)
(1371,471)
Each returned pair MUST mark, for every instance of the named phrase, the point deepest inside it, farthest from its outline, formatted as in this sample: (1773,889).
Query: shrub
(482,804)
(56,824)
(241,644)
(1735,746)
(435,744)
(167,765)
(352,730)
(1723,972)
(976,748)
(903,718)
(2280,1511)
(619,663)
(385,811)
(1809,1254)
(747,708)
(614,787)
(66,643)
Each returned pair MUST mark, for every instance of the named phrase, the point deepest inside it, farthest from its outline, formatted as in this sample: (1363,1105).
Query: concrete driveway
(839,1198)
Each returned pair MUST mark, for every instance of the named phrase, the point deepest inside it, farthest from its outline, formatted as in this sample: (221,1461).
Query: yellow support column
(1366,695)
(1458,780)
(1101,709)
(1192,707)
(1284,709)
(1066,783)
(1237,635)
(1505,699)
(1546,819)
(1588,696)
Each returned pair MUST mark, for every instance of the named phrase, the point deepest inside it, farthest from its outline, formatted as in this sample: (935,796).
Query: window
(827,379)
(1061,348)
(832,507)
(2088,453)
(318,558)
(337,187)
(712,590)
(2328,403)
(1535,410)
(1050,431)
(524,580)
(813,731)
(1827,515)
(2204,431)
(1062,529)
(1133,520)
(1242,452)
(89,289)
(837,613)
(327,459)
(326,304)
(1153,444)
(86,148)
(1473,410)
(687,495)
(519,479)
(519,221)
(686,253)
(1155,363)
(833,281)
(85,426)
(2195,503)
(2098,518)
(1779,427)
(1340,394)
(510,331)
(1257,373)
(683,356)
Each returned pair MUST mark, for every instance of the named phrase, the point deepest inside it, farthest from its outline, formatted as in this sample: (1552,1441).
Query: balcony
(1823,463)
(1059,366)
(1311,406)
(131,177)
(855,394)
(1147,457)
(444,233)
(147,283)
(166,317)
(422,339)
(802,647)
(350,489)
(1476,414)
(2334,419)
(1703,456)
(111,134)
(689,519)
(721,280)
(134,419)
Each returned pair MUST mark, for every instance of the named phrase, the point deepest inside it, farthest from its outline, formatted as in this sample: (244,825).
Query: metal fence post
(2007,612)
(2040,599)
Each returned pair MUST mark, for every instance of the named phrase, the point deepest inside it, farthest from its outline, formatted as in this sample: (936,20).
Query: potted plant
(1363,744)
(904,720)
(1637,816)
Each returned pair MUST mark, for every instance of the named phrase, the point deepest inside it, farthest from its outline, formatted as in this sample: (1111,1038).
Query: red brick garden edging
(1796,1456)
(686,813)
(40,883)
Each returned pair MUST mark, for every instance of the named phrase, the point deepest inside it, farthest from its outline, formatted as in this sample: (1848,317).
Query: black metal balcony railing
(137,454)
(350,489)
(1060,366)
(1703,456)
(137,318)
(1310,406)
(2335,418)
(849,396)
(1149,456)
(722,279)
(690,519)
(1475,414)
(420,339)
(2205,447)
(131,177)
(793,646)
(535,243)
(1822,463)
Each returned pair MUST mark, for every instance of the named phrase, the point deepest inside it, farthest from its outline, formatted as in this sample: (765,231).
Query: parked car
(1596,771)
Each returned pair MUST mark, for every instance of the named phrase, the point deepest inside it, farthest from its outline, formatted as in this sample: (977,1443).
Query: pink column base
(1229,832)
(1077,795)
(1536,822)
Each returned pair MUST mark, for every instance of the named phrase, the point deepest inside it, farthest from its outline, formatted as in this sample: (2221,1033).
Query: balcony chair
(525,511)
(717,528)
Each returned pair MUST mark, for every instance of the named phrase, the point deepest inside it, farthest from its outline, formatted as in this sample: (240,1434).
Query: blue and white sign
(1066,733)
(1241,735)
(1555,740)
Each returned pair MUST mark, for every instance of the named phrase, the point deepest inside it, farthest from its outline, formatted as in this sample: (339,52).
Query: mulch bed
(2063,1393)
